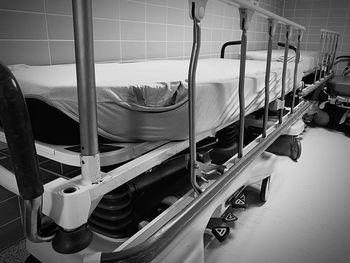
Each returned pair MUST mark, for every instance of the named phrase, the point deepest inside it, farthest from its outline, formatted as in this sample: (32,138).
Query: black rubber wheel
(265,189)
(295,149)
(32,259)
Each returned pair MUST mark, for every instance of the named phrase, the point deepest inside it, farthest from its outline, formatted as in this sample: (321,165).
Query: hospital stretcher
(175,234)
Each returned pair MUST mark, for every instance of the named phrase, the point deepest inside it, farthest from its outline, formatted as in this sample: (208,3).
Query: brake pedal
(218,228)
(229,216)
(239,202)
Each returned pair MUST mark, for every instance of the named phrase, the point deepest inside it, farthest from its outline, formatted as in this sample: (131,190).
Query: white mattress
(308,59)
(147,101)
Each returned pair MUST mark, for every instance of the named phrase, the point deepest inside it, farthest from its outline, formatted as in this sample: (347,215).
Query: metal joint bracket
(197,9)
(289,31)
(277,105)
(246,16)
(202,170)
(272,23)
(67,203)
(300,34)
(90,168)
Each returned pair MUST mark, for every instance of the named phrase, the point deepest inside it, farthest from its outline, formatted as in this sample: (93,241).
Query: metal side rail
(310,88)
(115,153)
(216,193)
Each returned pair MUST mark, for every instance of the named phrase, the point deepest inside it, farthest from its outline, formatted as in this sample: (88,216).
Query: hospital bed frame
(176,234)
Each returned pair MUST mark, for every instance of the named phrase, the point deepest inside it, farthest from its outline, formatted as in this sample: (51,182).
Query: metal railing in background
(325,60)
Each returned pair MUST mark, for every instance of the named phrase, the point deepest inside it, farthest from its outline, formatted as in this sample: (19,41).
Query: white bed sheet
(147,101)
(308,59)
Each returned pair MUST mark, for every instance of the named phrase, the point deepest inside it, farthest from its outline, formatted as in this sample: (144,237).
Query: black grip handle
(229,43)
(281,44)
(18,131)
(343,57)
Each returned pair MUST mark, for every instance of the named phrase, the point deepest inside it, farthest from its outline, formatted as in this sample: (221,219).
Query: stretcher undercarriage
(56,215)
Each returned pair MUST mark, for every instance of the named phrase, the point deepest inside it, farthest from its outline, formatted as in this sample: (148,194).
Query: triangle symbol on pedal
(239,202)
(221,231)
(230,217)
(242,197)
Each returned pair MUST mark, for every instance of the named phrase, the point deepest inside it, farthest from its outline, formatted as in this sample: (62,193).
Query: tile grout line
(9,222)
(5,200)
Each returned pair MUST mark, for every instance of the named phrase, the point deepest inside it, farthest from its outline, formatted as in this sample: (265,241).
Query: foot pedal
(240,202)
(228,216)
(218,228)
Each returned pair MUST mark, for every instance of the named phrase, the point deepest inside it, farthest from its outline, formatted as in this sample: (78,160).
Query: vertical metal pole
(323,54)
(284,72)
(335,51)
(319,56)
(325,57)
(271,31)
(192,100)
(84,56)
(331,48)
(297,58)
(197,11)
(245,18)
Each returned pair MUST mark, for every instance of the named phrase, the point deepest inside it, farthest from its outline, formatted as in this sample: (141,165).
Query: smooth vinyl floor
(307,217)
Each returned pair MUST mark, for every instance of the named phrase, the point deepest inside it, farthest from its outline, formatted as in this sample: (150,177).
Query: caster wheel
(265,189)
(32,259)
(295,149)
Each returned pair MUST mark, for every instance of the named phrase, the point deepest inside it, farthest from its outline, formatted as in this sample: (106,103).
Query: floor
(306,219)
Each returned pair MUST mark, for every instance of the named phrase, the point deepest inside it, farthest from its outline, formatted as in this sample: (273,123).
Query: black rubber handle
(281,44)
(343,57)
(230,43)
(18,131)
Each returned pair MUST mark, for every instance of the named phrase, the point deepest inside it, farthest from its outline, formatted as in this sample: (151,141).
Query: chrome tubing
(194,167)
(32,220)
(335,50)
(329,57)
(318,57)
(245,18)
(325,58)
(297,58)
(85,68)
(271,32)
(84,56)
(324,36)
(284,71)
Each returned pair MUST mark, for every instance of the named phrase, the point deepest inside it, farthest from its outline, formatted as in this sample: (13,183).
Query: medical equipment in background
(336,99)
(63,218)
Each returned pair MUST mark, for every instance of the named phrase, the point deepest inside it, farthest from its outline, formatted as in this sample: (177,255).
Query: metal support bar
(245,19)
(230,43)
(284,71)
(196,15)
(324,36)
(335,50)
(85,67)
(272,24)
(325,60)
(32,220)
(297,58)
(331,48)
(318,57)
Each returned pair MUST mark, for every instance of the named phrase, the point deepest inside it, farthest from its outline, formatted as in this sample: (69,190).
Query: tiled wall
(10,216)
(317,14)
(40,32)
